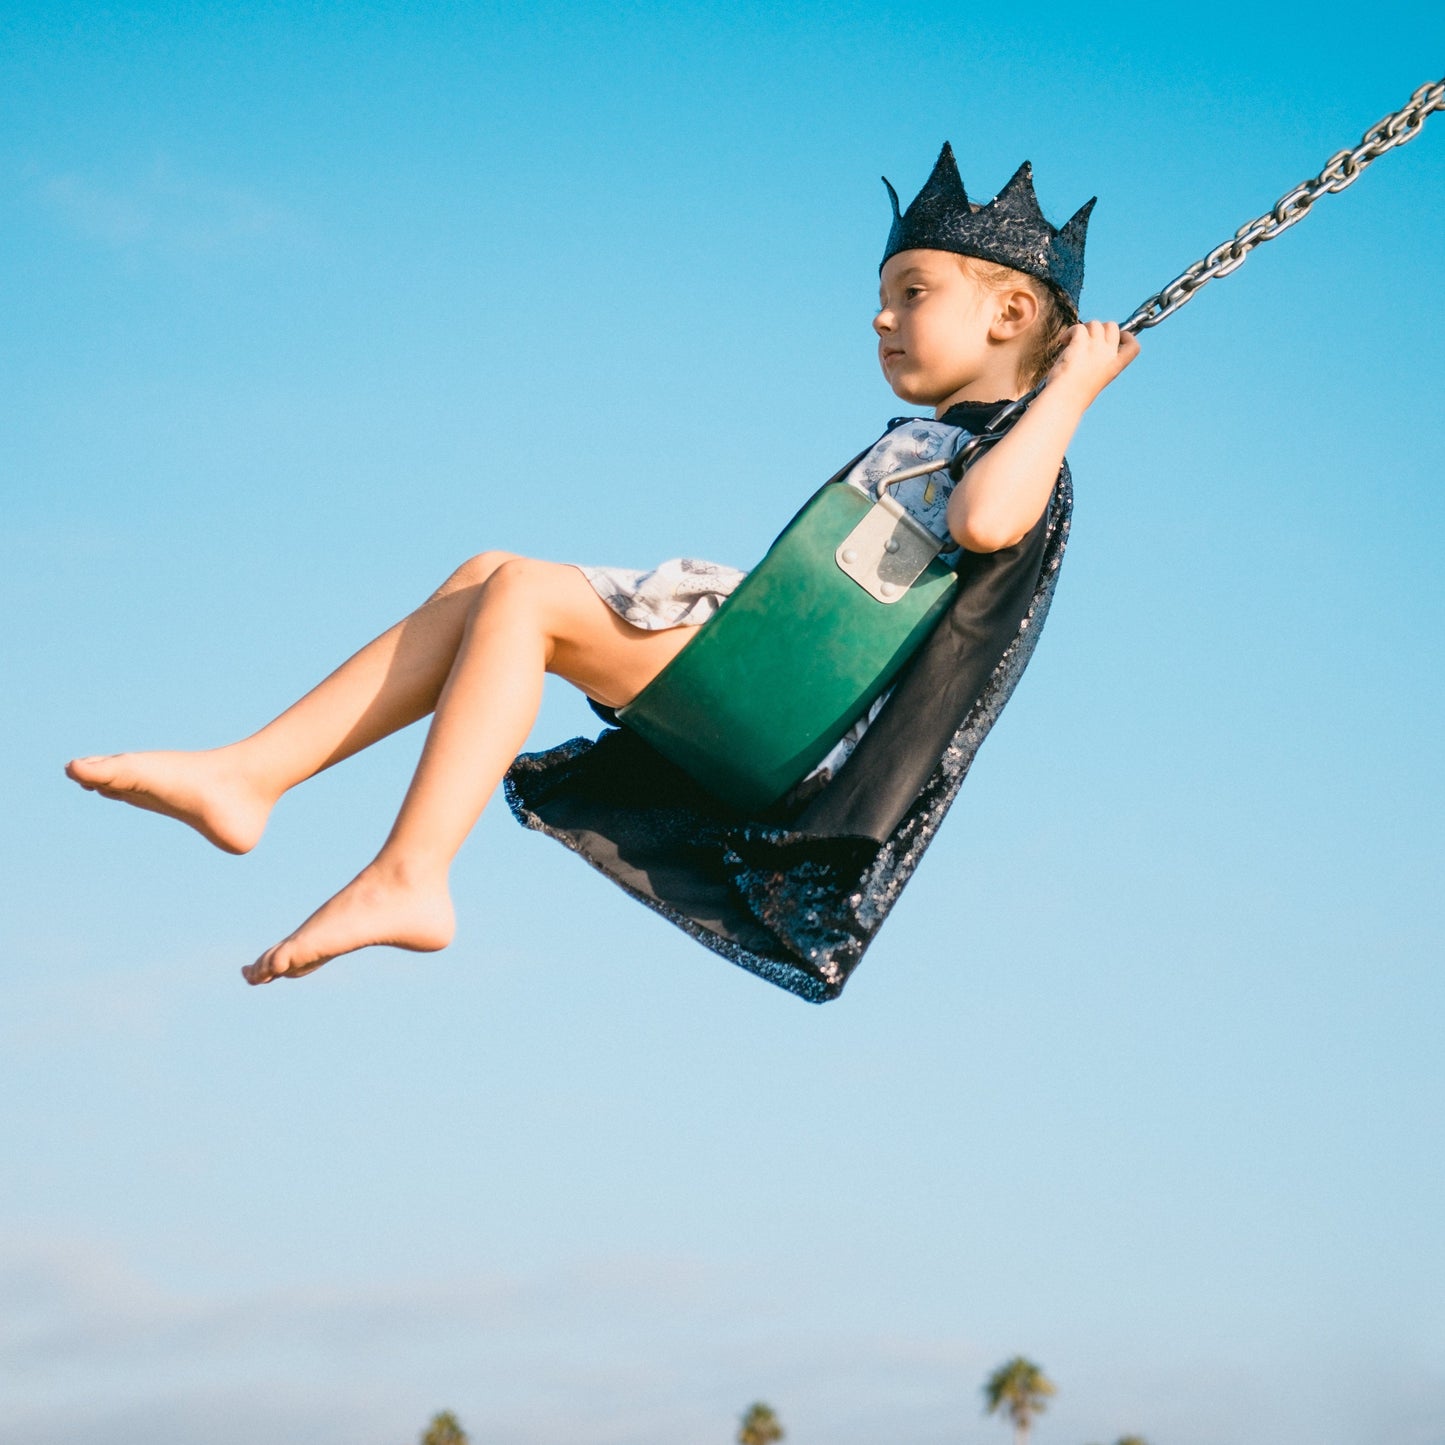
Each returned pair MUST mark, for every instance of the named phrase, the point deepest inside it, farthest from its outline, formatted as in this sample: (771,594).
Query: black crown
(1010,230)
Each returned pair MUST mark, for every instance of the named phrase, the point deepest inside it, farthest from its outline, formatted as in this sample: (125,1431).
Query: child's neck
(998,382)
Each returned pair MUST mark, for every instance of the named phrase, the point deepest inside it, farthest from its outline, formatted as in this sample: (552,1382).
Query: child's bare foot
(378,906)
(205,790)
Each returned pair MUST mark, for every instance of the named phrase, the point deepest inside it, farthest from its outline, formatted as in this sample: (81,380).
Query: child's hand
(1094,353)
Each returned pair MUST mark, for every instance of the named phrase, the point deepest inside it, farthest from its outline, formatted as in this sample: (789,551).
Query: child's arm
(1004,493)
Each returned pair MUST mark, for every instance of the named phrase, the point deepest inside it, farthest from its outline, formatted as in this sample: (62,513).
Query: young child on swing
(976,304)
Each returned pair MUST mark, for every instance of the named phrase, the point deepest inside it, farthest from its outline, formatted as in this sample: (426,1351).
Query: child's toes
(93,774)
(263,970)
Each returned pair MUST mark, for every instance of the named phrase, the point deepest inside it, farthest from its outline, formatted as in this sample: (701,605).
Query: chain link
(1342,169)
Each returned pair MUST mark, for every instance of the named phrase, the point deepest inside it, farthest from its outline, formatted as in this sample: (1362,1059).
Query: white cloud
(647,1350)
(165,210)
(59,999)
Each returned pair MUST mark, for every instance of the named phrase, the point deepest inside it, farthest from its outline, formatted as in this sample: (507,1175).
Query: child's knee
(476,570)
(516,577)
(537,589)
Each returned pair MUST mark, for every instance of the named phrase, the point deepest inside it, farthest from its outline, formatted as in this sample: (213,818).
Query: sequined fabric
(797,898)
(827,912)
(1010,230)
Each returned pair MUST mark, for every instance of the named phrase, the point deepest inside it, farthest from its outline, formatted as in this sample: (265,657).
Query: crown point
(1020,187)
(1077,224)
(892,196)
(944,177)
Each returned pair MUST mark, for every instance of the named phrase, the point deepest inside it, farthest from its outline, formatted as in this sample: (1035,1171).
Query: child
(976,304)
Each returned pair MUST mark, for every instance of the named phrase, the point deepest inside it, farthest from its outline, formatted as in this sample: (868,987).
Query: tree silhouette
(1020,1390)
(759,1426)
(445,1429)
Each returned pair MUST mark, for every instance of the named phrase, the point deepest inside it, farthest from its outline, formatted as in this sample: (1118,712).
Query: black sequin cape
(797,895)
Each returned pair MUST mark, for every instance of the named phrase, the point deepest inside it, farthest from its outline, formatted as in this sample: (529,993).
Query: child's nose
(883,321)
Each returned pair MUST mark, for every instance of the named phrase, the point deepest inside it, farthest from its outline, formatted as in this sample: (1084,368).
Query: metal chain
(1342,169)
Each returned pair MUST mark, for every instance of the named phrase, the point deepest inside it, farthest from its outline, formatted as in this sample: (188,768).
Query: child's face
(933,324)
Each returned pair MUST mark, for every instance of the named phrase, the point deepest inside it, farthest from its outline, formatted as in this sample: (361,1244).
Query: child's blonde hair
(1045,337)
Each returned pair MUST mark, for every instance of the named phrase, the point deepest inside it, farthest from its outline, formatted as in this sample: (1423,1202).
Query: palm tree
(445,1429)
(1020,1390)
(759,1426)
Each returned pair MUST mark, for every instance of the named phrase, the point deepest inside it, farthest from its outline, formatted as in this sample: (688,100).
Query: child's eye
(911,293)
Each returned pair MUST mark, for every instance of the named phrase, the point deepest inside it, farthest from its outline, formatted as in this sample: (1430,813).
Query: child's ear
(1018,309)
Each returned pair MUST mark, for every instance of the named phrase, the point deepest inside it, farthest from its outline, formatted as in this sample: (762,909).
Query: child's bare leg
(528,619)
(227,793)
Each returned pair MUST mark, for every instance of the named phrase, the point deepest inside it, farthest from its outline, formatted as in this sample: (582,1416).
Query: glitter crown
(1010,230)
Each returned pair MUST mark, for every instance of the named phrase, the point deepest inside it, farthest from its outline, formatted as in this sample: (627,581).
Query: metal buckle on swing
(889,550)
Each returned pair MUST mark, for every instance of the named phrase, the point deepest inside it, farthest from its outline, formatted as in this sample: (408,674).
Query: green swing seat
(807,641)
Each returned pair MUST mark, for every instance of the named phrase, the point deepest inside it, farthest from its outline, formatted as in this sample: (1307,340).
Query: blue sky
(304,305)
